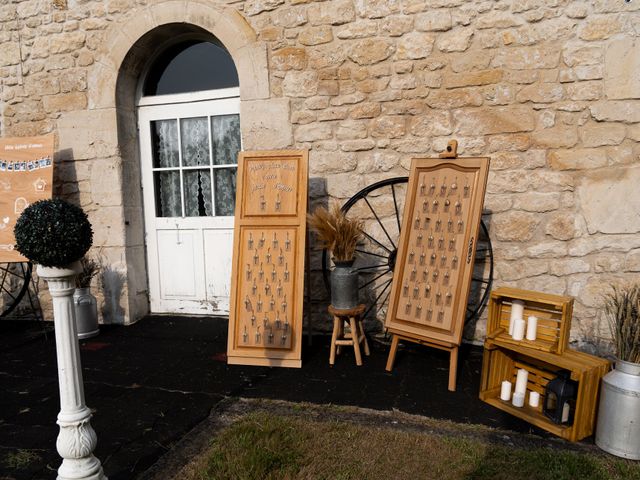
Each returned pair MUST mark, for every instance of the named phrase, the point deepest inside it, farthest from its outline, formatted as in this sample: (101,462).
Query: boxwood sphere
(53,233)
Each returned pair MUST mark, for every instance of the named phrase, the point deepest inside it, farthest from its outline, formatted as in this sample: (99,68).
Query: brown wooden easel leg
(453,368)
(334,337)
(392,353)
(354,338)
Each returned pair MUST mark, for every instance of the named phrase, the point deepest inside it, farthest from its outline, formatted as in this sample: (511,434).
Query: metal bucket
(618,429)
(86,312)
(344,286)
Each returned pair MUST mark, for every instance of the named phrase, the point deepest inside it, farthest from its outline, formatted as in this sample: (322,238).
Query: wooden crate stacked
(543,358)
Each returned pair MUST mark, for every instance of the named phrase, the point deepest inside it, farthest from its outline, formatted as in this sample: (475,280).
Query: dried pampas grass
(336,232)
(622,306)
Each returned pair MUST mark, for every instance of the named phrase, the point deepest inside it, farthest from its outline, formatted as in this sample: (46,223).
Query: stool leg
(356,343)
(334,337)
(392,353)
(340,333)
(453,368)
(364,338)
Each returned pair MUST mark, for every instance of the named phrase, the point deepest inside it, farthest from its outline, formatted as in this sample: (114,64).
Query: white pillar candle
(534,399)
(518,399)
(565,412)
(521,381)
(518,329)
(532,328)
(517,312)
(505,391)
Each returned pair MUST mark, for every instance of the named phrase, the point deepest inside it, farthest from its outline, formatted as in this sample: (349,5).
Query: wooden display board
(265,320)
(435,259)
(26,175)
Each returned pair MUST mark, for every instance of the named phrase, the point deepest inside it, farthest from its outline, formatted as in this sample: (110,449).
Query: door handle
(178,241)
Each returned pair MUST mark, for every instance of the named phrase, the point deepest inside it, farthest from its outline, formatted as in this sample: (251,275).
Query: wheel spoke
(481,280)
(14,283)
(395,205)
(380,222)
(372,267)
(376,241)
(373,280)
(371,253)
(375,302)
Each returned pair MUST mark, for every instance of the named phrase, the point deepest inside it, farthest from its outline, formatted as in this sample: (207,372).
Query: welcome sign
(26,176)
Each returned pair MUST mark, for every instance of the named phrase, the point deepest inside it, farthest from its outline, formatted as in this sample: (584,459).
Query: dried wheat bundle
(336,232)
(622,306)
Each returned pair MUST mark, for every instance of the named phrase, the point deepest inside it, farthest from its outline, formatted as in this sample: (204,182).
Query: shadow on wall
(65,176)
(112,282)
(480,287)
(318,292)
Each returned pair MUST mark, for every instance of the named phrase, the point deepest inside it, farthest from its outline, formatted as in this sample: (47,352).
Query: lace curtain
(197,183)
(165,155)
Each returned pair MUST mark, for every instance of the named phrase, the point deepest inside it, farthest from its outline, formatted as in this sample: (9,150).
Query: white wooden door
(189,157)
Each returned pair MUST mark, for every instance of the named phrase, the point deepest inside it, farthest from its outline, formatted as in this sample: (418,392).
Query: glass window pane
(225,130)
(167,185)
(164,139)
(197,193)
(190,67)
(195,142)
(225,191)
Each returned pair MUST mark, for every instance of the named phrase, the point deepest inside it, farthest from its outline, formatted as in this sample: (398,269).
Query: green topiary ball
(53,233)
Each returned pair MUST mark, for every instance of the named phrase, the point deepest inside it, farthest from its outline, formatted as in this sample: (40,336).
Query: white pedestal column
(77,439)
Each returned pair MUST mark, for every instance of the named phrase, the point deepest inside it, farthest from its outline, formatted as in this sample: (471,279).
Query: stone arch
(113,83)
(122,44)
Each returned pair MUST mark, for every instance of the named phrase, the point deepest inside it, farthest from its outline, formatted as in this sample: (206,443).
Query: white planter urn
(77,439)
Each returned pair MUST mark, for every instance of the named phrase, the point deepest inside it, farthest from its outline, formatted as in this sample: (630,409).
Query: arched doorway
(189,135)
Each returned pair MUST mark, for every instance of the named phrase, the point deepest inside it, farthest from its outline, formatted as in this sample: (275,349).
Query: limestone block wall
(550,89)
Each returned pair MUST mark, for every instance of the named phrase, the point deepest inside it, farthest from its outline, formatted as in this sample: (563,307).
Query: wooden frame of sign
(434,266)
(26,176)
(265,320)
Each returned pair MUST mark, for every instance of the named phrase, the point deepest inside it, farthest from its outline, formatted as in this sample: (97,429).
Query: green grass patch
(20,459)
(266,446)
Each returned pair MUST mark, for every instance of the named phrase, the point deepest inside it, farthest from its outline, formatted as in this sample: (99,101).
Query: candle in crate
(505,391)
(532,328)
(517,312)
(534,399)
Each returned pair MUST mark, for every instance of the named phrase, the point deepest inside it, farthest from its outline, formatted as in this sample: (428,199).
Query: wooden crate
(554,318)
(501,362)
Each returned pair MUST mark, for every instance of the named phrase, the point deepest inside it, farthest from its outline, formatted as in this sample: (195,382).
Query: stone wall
(550,90)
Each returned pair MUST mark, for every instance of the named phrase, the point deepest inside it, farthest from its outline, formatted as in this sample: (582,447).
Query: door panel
(179,252)
(218,250)
(188,158)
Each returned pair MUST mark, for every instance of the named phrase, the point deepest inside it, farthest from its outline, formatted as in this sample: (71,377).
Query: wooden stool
(353,318)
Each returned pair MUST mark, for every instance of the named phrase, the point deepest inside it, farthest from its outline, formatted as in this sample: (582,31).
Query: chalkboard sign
(265,320)
(26,175)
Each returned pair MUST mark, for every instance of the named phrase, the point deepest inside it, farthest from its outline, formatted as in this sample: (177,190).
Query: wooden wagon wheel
(14,283)
(381,205)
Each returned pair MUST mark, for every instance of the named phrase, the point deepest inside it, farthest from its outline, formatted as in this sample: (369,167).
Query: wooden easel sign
(26,176)
(265,320)
(438,239)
